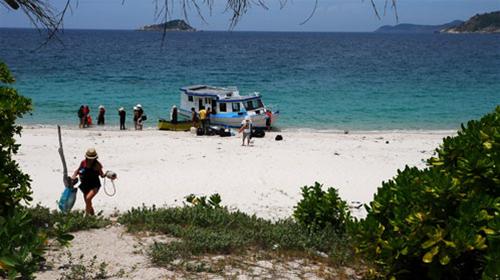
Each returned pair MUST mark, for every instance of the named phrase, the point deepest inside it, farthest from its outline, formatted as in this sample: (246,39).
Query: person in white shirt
(246,128)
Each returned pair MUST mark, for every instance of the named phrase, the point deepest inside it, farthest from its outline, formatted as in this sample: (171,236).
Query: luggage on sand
(199,131)
(258,133)
(68,196)
(67,200)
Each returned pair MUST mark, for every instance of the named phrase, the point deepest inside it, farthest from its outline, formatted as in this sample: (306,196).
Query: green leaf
(487,145)
(6,262)
(488,231)
(66,237)
(427,258)
(444,259)
(429,243)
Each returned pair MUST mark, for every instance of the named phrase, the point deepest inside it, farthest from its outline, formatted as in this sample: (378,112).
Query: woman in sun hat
(89,171)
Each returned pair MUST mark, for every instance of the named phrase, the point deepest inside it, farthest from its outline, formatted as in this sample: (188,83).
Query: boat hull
(235,120)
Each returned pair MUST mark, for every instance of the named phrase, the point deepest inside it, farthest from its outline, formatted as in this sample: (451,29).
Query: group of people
(86,119)
(203,116)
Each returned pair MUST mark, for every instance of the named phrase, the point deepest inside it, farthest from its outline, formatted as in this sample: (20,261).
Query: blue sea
(333,81)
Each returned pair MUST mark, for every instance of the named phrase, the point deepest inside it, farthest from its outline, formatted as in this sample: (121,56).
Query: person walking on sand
(122,114)
(100,116)
(90,170)
(80,116)
(203,119)
(246,128)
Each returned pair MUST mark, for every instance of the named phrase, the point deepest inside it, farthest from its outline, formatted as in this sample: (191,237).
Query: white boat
(228,107)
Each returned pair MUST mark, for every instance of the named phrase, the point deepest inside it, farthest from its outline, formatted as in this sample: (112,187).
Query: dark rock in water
(278,137)
(173,25)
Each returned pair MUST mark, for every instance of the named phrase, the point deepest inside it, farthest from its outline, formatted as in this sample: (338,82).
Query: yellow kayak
(179,126)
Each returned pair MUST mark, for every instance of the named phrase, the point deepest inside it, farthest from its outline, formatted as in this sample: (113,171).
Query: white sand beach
(161,168)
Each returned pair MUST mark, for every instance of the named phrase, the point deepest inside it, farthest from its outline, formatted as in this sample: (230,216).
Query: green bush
(442,222)
(57,225)
(21,245)
(203,228)
(319,209)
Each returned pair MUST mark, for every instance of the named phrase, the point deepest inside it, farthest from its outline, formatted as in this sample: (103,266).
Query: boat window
(249,105)
(190,98)
(259,103)
(236,106)
(222,107)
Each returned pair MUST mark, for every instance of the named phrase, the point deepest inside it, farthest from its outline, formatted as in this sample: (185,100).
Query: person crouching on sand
(89,171)
(246,128)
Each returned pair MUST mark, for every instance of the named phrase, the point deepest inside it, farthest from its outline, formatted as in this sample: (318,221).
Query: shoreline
(273,130)
(162,167)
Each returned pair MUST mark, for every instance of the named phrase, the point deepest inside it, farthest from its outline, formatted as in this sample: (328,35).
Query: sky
(330,15)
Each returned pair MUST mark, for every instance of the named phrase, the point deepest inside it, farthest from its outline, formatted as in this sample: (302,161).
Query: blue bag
(67,199)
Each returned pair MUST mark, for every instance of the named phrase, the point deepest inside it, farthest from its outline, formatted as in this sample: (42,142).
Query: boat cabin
(220,100)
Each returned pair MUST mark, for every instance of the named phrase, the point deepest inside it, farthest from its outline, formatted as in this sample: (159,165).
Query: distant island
(480,23)
(416,28)
(484,23)
(173,25)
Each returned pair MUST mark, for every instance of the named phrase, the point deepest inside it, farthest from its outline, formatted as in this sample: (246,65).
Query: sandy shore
(158,167)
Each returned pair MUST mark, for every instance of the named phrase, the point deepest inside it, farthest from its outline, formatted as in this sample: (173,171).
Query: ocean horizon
(330,81)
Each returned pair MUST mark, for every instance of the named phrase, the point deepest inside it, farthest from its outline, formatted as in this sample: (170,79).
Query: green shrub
(205,229)
(442,222)
(319,209)
(21,245)
(57,224)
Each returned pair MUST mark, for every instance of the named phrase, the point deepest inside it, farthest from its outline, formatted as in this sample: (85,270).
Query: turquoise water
(355,81)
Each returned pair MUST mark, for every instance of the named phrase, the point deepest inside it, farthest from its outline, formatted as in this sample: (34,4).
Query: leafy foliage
(14,184)
(442,222)
(82,269)
(319,209)
(204,229)
(213,201)
(21,245)
(57,224)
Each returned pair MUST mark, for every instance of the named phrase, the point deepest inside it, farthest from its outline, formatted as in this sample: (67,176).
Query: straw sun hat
(91,154)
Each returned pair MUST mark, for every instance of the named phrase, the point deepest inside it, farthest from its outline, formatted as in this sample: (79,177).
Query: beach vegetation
(319,209)
(58,225)
(82,268)
(21,244)
(201,229)
(442,222)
